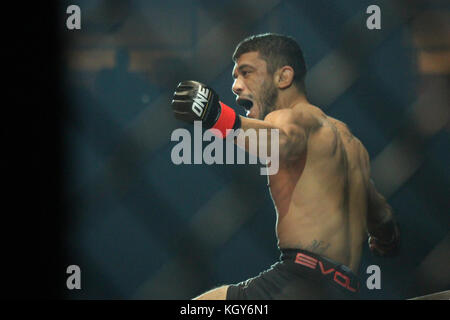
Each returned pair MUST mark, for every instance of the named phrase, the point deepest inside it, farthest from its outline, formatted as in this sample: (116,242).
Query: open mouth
(245,103)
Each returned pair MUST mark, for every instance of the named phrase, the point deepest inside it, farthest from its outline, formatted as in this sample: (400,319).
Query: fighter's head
(265,64)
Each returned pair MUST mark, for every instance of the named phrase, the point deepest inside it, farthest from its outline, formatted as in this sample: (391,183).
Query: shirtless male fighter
(325,201)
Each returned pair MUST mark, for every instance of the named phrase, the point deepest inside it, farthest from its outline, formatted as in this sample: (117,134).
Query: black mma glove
(194,101)
(383,245)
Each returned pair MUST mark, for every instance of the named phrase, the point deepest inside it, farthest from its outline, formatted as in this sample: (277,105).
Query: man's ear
(284,77)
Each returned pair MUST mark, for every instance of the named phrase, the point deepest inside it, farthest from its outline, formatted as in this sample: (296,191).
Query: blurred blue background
(141,227)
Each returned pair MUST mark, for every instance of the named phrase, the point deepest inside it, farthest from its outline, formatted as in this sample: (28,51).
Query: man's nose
(237,87)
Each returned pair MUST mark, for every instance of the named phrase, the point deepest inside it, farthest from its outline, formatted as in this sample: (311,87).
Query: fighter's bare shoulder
(308,118)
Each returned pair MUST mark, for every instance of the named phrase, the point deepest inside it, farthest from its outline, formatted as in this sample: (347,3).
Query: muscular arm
(379,214)
(291,125)
(381,224)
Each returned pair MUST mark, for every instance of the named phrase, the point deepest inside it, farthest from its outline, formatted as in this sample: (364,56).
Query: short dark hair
(278,51)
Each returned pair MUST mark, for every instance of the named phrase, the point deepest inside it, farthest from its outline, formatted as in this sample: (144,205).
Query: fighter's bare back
(321,196)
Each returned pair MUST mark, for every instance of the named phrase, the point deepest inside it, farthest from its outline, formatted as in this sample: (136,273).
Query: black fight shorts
(299,275)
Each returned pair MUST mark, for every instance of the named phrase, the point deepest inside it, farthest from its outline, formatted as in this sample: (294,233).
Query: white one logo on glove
(200,101)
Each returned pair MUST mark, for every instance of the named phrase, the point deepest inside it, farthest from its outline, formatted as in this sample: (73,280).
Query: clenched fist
(194,101)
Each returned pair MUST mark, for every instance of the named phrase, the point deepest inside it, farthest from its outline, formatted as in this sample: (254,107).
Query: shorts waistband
(338,273)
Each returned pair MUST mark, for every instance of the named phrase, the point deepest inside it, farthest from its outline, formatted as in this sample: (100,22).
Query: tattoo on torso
(316,246)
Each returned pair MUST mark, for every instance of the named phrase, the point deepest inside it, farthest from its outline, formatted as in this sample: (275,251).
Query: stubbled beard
(269,95)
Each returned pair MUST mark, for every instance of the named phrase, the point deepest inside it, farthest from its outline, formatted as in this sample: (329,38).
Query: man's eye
(245,73)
